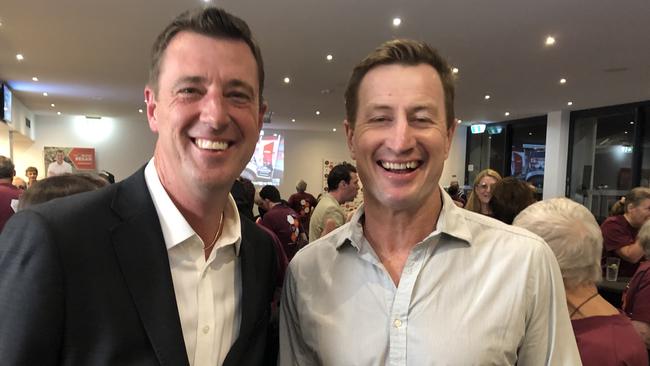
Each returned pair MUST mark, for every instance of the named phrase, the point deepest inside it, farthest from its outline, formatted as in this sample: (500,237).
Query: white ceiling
(92,56)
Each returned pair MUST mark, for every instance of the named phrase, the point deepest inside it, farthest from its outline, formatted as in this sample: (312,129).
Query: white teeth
(399,166)
(211,145)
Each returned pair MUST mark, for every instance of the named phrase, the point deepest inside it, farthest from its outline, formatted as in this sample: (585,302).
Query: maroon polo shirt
(617,233)
(283,221)
(7,193)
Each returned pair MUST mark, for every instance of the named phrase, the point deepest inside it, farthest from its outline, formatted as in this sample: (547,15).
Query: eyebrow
(188,80)
(237,83)
(234,83)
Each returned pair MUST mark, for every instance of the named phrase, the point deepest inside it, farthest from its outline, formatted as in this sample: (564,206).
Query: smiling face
(206,112)
(484,189)
(400,140)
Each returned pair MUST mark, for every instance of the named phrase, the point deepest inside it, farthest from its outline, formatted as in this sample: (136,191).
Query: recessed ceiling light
(569,103)
(0,23)
(334,130)
(487,96)
(397,22)
(317,113)
(58,113)
(34,78)
(530,133)
(45,94)
(293,120)
(507,114)
(550,41)
(563,81)
(140,111)
(631,122)
(52,105)
(287,80)
(454,70)
(20,57)
(459,121)
(625,132)
(329,57)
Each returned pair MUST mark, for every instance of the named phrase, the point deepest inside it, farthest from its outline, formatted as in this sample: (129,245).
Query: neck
(337,196)
(629,219)
(582,303)
(485,208)
(6,180)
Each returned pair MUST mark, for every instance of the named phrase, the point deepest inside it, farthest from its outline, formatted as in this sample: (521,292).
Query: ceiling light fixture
(52,105)
(45,94)
(140,111)
(454,70)
(563,81)
(397,22)
(329,57)
(569,103)
(58,113)
(287,80)
(334,130)
(20,57)
(631,122)
(550,41)
(507,114)
(459,121)
(293,120)
(34,78)
(317,113)
(487,96)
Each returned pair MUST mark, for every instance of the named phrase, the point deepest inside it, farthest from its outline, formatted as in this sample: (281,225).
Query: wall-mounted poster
(68,160)
(351,206)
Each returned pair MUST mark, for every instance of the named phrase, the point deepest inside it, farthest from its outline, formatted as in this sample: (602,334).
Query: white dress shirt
(474,292)
(208,292)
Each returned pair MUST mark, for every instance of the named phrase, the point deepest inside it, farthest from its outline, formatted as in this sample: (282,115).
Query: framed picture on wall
(68,160)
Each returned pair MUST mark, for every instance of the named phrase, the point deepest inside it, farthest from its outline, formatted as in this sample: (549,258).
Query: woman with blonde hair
(479,198)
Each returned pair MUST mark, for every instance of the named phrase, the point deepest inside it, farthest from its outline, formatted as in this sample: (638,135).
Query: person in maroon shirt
(303,203)
(282,220)
(8,192)
(636,298)
(620,231)
(604,335)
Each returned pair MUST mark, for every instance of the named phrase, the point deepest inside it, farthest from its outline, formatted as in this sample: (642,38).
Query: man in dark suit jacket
(152,271)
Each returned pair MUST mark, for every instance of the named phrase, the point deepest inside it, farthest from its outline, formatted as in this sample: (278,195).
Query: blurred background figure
(32,175)
(303,203)
(604,335)
(620,231)
(243,192)
(636,299)
(19,183)
(456,193)
(282,220)
(59,186)
(509,197)
(9,194)
(481,194)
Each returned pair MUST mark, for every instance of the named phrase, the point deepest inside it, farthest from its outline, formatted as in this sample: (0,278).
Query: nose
(401,137)
(214,110)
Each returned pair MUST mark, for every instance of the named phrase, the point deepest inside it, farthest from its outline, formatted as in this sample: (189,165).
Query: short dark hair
(402,52)
(7,168)
(59,186)
(212,22)
(31,169)
(270,193)
(339,173)
(510,196)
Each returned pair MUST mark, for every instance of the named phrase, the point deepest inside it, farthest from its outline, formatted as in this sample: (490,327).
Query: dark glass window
(527,159)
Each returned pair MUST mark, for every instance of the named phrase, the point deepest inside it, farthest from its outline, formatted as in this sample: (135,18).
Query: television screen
(267,164)
(6,110)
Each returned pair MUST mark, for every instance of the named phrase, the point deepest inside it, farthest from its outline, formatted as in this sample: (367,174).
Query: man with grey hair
(636,299)
(303,203)
(152,270)
(603,334)
(412,279)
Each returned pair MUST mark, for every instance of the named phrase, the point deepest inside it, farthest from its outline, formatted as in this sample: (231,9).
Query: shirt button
(206,329)
(397,323)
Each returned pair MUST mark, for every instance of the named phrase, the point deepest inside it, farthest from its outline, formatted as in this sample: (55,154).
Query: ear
(150,99)
(263,108)
(450,136)
(349,134)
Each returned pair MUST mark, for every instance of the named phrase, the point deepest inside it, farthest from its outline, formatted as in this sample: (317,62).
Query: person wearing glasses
(479,199)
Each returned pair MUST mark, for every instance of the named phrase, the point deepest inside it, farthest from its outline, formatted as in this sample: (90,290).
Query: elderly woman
(636,300)
(479,199)
(604,336)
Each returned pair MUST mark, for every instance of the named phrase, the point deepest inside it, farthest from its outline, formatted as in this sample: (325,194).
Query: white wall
(121,145)
(455,164)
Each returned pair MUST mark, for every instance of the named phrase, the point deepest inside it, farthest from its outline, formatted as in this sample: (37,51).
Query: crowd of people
(151,270)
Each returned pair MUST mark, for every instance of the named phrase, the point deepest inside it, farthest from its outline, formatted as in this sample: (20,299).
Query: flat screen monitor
(6,105)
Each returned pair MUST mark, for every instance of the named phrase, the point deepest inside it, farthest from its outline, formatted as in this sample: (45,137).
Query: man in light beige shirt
(151,270)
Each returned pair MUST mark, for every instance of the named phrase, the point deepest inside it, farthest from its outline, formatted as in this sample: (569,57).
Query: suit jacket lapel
(142,255)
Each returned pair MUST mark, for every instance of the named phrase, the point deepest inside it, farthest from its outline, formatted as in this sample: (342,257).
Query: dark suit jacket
(85,280)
